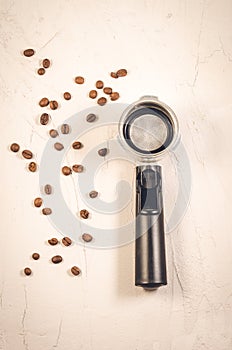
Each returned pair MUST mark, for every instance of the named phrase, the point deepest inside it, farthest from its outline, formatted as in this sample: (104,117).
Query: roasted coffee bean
(79,80)
(58,146)
(44,102)
(44,119)
(84,214)
(77,168)
(27,271)
(102,101)
(114,75)
(38,202)
(67,96)
(102,152)
(27,154)
(48,189)
(99,84)
(93,94)
(57,259)
(46,211)
(41,71)
(75,270)
(66,170)
(114,96)
(53,133)
(53,241)
(77,145)
(65,129)
(66,241)
(87,237)
(53,105)
(46,63)
(35,256)
(32,166)
(29,52)
(121,72)
(14,147)
(93,194)
(91,118)
(107,90)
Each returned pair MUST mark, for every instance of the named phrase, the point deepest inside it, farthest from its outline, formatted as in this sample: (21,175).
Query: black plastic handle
(150,264)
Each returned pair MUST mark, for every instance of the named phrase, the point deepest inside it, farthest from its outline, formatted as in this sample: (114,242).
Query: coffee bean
(53,105)
(65,129)
(66,241)
(102,152)
(35,256)
(102,101)
(79,80)
(77,145)
(121,72)
(114,75)
(27,271)
(14,147)
(29,52)
(41,71)
(46,211)
(48,189)
(77,168)
(67,96)
(46,63)
(75,270)
(84,214)
(87,237)
(107,90)
(91,118)
(38,202)
(58,146)
(99,84)
(44,119)
(53,241)
(53,133)
(93,94)
(44,102)
(66,170)
(57,259)
(93,194)
(114,96)
(32,166)
(27,154)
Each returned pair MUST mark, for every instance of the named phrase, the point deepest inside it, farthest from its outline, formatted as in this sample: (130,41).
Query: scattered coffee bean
(27,154)
(44,102)
(57,259)
(102,152)
(27,271)
(75,270)
(35,256)
(99,84)
(79,80)
(44,119)
(77,145)
(46,211)
(48,189)
(67,96)
(77,168)
(121,72)
(46,63)
(53,241)
(29,52)
(58,146)
(114,96)
(65,129)
(87,237)
(38,202)
(14,147)
(66,170)
(102,101)
(66,241)
(93,194)
(93,94)
(53,105)
(91,118)
(41,71)
(114,75)
(84,214)
(32,166)
(107,90)
(53,133)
